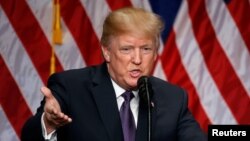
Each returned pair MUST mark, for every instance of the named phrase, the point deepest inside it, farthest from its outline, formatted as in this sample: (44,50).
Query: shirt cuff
(45,134)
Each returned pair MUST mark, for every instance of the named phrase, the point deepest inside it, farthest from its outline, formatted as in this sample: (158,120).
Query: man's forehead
(134,39)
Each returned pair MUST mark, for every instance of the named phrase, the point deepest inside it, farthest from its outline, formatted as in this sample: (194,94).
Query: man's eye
(125,50)
(147,49)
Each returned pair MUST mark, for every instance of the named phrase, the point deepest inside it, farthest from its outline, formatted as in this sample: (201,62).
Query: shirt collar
(119,90)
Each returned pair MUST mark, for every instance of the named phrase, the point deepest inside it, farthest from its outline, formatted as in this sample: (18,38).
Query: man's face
(129,58)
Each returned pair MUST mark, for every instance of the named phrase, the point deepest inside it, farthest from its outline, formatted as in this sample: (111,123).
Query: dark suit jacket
(88,97)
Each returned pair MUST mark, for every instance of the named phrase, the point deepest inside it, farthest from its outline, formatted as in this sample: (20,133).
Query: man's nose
(137,57)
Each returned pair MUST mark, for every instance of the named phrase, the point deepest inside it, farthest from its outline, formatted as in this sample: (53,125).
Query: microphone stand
(145,90)
(149,112)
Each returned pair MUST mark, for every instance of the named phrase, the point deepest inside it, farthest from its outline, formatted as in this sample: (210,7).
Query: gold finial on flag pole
(57,34)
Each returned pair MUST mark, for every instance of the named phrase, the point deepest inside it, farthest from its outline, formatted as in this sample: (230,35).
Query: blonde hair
(136,21)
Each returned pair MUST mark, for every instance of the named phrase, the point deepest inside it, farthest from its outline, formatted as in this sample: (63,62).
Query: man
(85,104)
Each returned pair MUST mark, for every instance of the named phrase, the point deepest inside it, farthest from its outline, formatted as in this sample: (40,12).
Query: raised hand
(53,116)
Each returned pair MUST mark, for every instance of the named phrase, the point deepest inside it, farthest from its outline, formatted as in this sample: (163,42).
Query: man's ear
(106,53)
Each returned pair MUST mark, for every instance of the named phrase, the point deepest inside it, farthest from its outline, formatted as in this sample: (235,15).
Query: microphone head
(142,80)
(145,89)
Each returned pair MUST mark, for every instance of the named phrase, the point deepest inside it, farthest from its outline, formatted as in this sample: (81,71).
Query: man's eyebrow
(147,45)
(127,46)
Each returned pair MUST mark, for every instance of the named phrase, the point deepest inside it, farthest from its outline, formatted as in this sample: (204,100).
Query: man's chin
(133,85)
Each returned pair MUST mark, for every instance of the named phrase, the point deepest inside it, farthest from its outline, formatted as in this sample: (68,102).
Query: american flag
(205,48)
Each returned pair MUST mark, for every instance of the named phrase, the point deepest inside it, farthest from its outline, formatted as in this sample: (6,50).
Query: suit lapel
(104,96)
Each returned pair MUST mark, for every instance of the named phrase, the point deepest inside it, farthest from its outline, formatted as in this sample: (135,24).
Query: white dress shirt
(134,105)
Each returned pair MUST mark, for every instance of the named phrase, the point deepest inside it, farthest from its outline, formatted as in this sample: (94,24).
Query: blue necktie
(128,123)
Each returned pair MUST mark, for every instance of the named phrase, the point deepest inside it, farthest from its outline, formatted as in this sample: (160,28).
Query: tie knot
(128,95)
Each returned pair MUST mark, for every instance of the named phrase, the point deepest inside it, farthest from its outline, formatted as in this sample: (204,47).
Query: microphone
(145,94)
(145,90)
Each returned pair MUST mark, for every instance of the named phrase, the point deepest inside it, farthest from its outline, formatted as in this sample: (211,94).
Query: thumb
(46,92)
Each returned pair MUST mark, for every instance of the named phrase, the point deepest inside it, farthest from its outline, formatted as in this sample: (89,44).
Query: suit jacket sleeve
(188,128)
(32,129)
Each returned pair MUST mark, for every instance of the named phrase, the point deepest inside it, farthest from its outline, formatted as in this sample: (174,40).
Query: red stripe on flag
(30,34)
(239,10)
(176,73)
(11,100)
(116,4)
(218,64)
(79,25)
